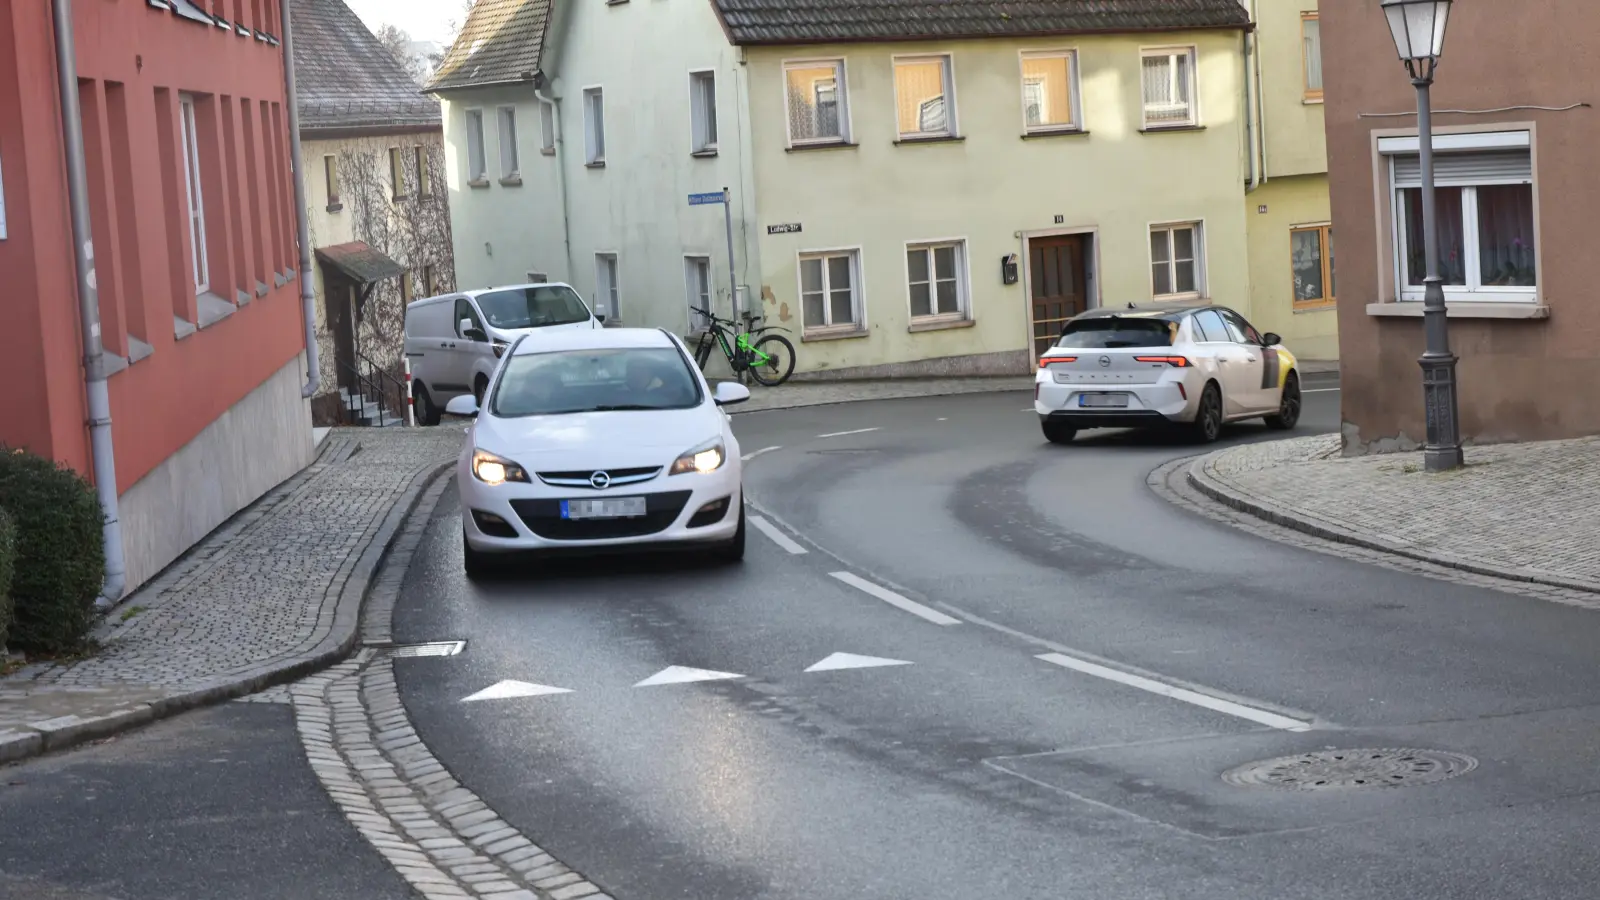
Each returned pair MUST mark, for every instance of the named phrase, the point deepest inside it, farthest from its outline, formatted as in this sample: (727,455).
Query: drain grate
(1327,770)
(434,648)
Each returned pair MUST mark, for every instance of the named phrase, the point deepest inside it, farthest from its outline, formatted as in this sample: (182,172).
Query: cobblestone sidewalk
(272,594)
(1524,512)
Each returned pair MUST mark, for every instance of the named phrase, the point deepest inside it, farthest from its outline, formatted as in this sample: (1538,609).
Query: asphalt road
(943,534)
(218,804)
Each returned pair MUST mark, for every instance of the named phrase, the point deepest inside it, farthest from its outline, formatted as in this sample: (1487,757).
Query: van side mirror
(464,406)
(471,332)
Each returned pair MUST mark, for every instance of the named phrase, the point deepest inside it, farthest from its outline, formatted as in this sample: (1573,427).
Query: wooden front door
(1057,286)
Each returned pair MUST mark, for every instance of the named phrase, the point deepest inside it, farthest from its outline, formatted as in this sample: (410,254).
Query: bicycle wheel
(780,360)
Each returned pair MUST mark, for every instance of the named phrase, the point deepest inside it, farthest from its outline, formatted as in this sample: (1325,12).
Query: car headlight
(491,469)
(703,459)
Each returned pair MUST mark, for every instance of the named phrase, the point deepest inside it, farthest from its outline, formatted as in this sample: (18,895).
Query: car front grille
(543,518)
(583,478)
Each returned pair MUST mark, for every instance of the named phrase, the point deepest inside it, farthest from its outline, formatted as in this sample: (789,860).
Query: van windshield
(533,307)
(1107,332)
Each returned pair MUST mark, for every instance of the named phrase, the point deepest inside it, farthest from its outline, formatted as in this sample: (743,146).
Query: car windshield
(533,307)
(578,381)
(1106,332)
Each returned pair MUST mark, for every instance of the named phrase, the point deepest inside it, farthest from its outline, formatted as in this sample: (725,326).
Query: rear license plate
(610,508)
(1112,400)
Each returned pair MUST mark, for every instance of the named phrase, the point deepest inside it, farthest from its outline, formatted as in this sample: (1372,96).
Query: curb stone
(1200,475)
(445,841)
(69,731)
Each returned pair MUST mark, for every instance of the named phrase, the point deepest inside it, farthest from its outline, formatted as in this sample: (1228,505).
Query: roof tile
(345,78)
(824,21)
(502,41)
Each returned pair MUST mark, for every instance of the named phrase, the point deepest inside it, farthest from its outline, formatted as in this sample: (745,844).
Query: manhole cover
(1327,770)
(435,648)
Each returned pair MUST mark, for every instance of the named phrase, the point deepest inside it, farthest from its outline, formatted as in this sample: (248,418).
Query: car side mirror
(1271,340)
(600,317)
(464,406)
(728,393)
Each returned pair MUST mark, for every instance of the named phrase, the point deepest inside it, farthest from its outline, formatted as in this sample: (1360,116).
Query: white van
(454,341)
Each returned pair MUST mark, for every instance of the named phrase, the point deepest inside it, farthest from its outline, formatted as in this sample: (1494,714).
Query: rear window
(1107,332)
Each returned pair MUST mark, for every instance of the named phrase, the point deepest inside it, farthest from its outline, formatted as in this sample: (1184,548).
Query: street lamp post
(1418,30)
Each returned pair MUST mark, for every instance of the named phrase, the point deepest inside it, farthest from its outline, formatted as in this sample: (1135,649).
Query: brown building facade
(1518,178)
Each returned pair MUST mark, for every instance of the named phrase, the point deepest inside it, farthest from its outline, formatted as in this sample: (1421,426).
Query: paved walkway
(273,593)
(1527,512)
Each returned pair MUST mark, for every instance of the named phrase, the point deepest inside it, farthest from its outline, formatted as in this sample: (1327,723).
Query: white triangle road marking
(684,675)
(507,690)
(853,661)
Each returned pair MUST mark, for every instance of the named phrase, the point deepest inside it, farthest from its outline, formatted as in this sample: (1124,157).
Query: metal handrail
(372,380)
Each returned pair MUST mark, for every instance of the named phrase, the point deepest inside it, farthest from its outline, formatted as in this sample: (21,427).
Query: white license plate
(610,508)
(1112,400)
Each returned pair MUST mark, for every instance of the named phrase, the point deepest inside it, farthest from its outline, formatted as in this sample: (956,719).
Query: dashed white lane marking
(1259,716)
(778,537)
(893,599)
(843,433)
(853,661)
(944,418)
(684,675)
(1319,390)
(506,690)
(755,453)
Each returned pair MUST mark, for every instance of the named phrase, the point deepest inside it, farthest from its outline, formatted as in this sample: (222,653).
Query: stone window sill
(335,207)
(920,325)
(1412,309)
(547,151)
(1167,129)
(240,298)
(182,328)
(821,145)
(939,139)
(1054,133)
(707,153)
(833,335)
(213,309)
(138,350)
(1315,306)
(597,164)
(478,183)
(511,181)
(261,290)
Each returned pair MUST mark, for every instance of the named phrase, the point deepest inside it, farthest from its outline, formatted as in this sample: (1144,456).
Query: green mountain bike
(768,358)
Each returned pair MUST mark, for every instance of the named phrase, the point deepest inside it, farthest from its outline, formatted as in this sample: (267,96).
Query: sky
(424,20)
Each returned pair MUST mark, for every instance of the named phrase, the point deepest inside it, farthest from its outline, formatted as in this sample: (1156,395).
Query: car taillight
(1177,362)
(1047,360)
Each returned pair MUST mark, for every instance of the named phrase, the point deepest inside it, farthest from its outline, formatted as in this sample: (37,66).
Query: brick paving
(277,587)
(1523,512)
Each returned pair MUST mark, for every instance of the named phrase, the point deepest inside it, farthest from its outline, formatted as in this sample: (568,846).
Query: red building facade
(185,125)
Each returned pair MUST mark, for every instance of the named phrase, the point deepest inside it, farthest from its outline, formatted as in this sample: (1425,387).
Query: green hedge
(8,560)
(60,561)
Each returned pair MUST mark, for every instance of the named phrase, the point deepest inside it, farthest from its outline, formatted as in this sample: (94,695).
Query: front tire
(1288,406)
(780,364)
(477,564)
(1208,418)
(1057,433)
(733,551)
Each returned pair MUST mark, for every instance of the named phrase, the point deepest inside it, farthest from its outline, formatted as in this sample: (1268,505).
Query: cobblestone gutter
(1519,512)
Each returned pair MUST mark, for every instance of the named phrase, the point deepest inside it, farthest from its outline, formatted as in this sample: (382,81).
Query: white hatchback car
(595,441)
(1131,368)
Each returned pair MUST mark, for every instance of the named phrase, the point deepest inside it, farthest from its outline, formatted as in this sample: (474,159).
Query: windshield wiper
(623,407)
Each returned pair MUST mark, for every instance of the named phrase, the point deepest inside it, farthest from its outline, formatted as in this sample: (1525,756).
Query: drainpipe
(94,354)
(1261,116)
(308,291)
(561,176)
(1252,45)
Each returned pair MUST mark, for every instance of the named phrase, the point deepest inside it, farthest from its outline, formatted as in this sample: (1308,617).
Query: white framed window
(1050,91)
(697,290)
(477,165)
(1167,75)
(1311,56)
(1485,203)
(924,91)
(1177,260)
(830,290)
(547,128)
(606,292)
(814,93)
(937,276)
(197,205)
(703,111)
(510,165)
(594,126)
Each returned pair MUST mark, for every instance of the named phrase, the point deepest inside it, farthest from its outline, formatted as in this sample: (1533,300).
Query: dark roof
(360,263)
(501,42)
(827,21)
(346,79)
